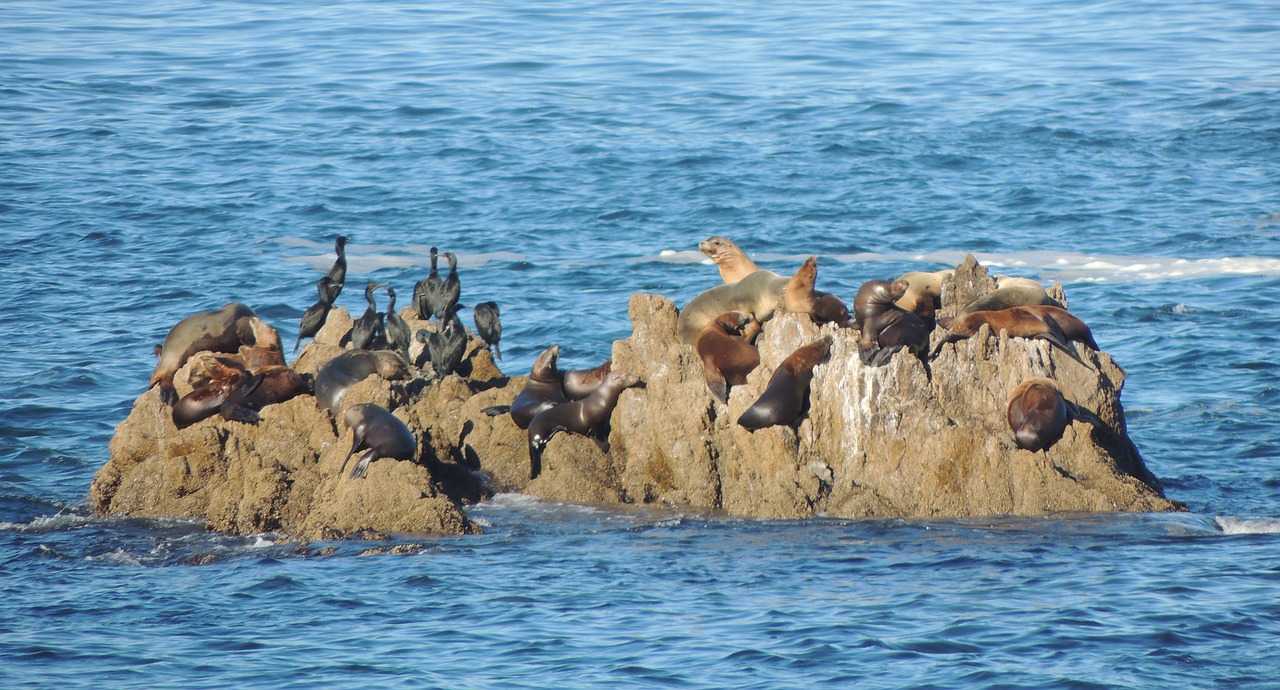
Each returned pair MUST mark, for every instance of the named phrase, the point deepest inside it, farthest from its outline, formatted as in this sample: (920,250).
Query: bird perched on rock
(313,318)
(369,326)
(337,273)
(452,289)
(427,292)
(446,346)
(398,333)
(488,326)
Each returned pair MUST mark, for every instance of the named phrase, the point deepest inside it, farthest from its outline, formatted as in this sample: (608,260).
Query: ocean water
(159,158)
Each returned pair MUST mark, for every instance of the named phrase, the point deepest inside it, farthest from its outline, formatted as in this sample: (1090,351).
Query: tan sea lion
(884,327)
(266,349)
(1038,412)
(787,395)
(732,261)
(1041,322)
(759,294)
(801,297)
(921,287)
(727,357)
(1020,293)
(588,416)
(381,435)
(353,366)
(223,330)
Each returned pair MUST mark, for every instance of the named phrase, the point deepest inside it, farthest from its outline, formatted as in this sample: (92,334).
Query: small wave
(50,523)
(1235,525)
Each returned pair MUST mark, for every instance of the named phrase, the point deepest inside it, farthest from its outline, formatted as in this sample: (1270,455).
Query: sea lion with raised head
(729,258)
(726,355)
(1019,322)
(543,390)
(759,294)
(351,367)
(884,327)
(786,397)
(223,330)
(380,434)
(801,297)
(588,417)
(266,350)
(1038,413)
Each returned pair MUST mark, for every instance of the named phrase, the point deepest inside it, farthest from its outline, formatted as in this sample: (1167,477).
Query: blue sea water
(159,158)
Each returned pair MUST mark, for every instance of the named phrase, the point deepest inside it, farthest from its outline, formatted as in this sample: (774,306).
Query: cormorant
(398,332)
(488,326)
(427,291)
(338,273)
(369,326)
(313,318)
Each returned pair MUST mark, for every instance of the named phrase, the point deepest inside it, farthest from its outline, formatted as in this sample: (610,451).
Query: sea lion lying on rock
(1056,325)
(381,435)
(223,330)
(759,294)
(884,327)
(588,416)
(1038,413)
(786,397)
(353,366)
(727,353)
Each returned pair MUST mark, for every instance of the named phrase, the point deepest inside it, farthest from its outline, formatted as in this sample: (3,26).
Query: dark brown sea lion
(224,389)
(726,355)
(223,330)
(729,257)
(381,435)
(579,383)
(588,416)
(802,298)
(1041,322)
(884,327)
(353,366)
(543,390)
(1038,412)
(759,294)
(787,395)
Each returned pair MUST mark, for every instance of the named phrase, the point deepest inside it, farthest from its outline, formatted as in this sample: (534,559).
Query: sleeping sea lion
(380,433)
(727,356)
(1043,322)
(759,294)
(732,261)
(884,327)
(922,287)
(353,366)
(224,390)
(1038,412)
(588,416)
(787,395)
(223,330)
(1020,293)
(801,297)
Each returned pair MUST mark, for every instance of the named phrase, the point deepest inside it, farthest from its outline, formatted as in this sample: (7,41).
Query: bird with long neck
(452,289)
(448,345)
(398,332)
(488,326)
(425,291)
(369,326)
(313,318)
(338,272)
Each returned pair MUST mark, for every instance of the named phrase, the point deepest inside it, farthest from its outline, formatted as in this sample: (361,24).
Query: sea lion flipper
(883,356)
(867,353)
(496,410)
(950,338)
(363,465)
(1058,338)
(718,385)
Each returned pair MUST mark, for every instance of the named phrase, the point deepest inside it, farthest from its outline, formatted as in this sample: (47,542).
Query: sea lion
(1044,322)
(266,350)
(223,330)
(488,325)
(759,294)
(381,435)
(923,287)
(1020,293)
(729,257)
(224,388)
(726,356)
(543,390)
(579,383)
(1038,412)
(884,327)
(588,416)
(787,395)
(801,297)
(353,366)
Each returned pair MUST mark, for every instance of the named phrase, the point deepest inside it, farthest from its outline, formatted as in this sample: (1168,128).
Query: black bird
(452,288)
(426,292)
(367,327)
(397,328)
(448,345)
(338,273)
(313,318)
(488,326)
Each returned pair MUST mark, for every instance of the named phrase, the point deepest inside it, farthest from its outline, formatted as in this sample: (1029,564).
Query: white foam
(1235,525)
(49,523)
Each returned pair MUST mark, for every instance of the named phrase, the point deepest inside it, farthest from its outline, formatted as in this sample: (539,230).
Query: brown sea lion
(727,357)
(787,395)
(543,390)
(729,257)
(759,294)
(884,327)
(588,416)
(266,350)
(1038,412)
(224,389)
(801,297)
(381,435)
(353,366)
(923,287)
(579,383)
(1019,293)
(223,330)
(1043,322)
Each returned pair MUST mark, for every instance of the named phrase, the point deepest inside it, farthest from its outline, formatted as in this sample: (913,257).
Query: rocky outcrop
(908,439)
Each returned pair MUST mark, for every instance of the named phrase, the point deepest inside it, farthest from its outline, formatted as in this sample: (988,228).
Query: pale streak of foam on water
(1238,525)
